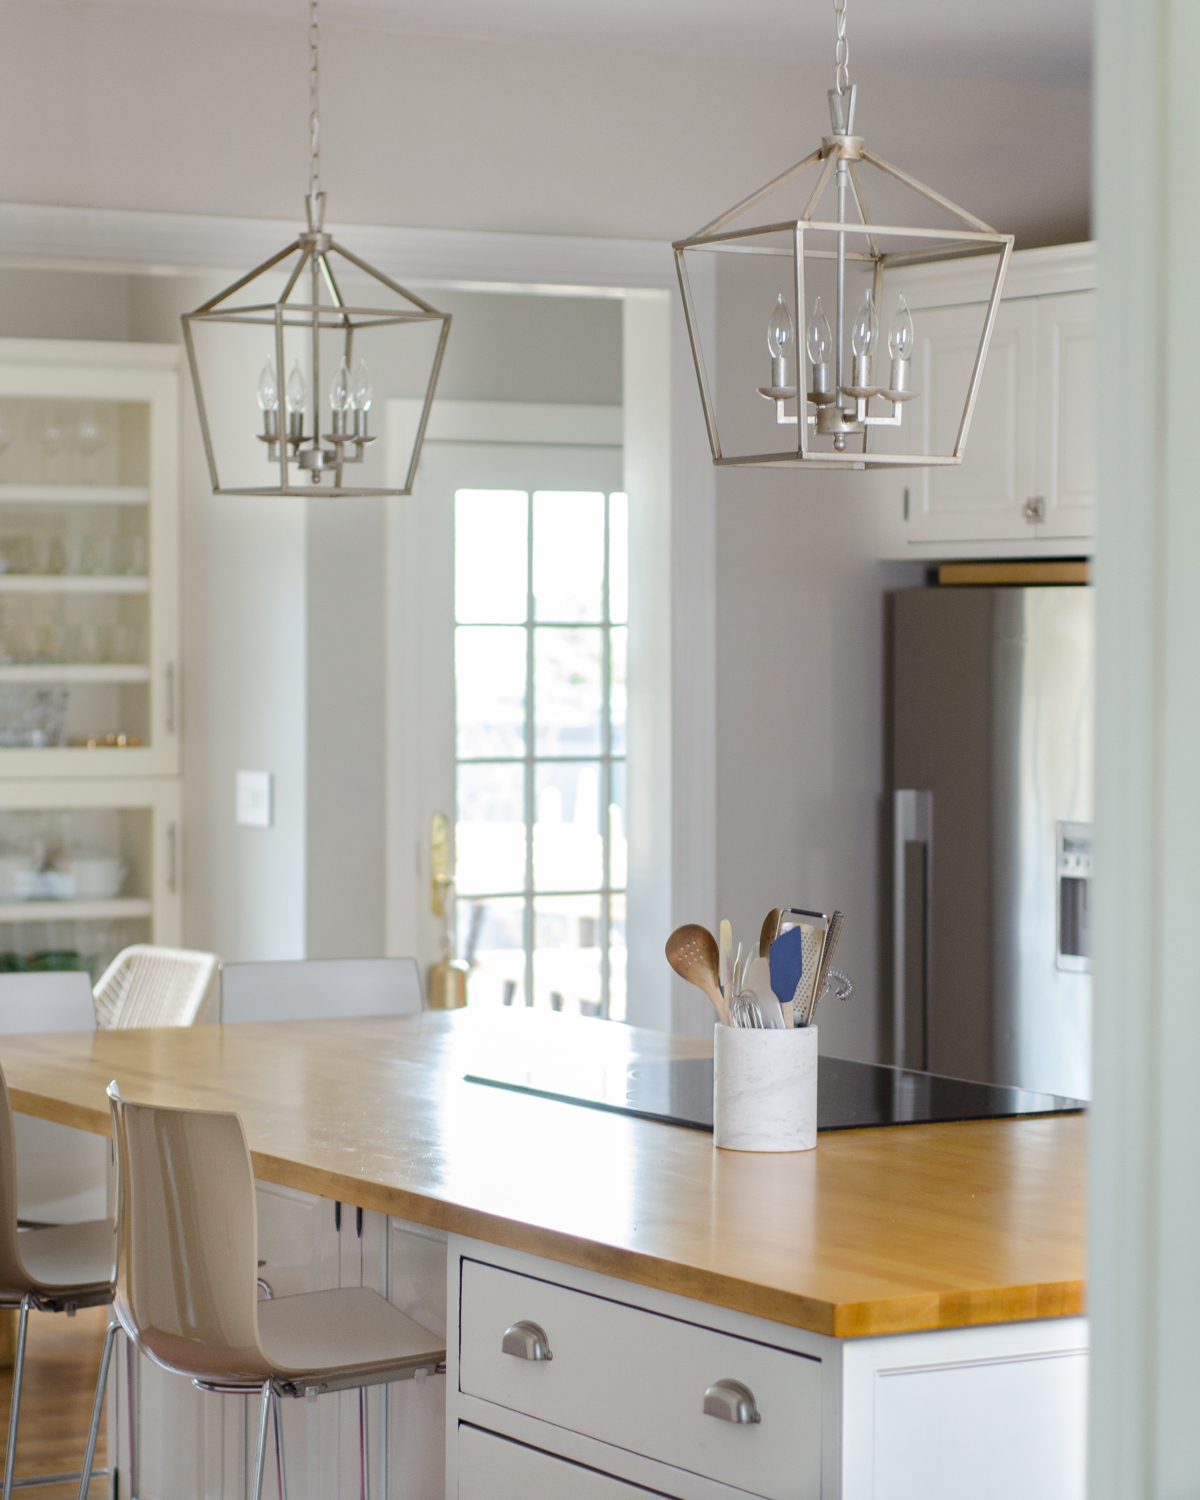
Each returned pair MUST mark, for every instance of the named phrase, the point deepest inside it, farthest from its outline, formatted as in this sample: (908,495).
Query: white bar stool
(187,1277)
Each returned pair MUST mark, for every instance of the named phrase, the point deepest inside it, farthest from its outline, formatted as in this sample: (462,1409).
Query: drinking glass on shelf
(46,553)
(90,645)
(6,428)
(91,438)
(53,440)
(130,556)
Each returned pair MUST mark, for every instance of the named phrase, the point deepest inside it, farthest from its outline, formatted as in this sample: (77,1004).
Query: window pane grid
(550,903)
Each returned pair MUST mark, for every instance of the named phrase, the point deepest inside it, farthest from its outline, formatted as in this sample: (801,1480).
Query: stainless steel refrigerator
(992,759)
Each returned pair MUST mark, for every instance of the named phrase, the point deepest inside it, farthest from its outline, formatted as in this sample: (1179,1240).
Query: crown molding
(119,240)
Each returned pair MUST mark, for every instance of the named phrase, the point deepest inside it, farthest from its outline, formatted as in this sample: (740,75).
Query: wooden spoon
(770,931)
(692,952)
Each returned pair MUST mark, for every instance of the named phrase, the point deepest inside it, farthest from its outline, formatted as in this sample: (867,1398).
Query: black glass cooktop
(850,1095)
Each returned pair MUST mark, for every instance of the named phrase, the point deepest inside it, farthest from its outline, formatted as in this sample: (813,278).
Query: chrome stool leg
(279,1466)
(15,1409)
(261,1452)
(363,1482)
(85,1477)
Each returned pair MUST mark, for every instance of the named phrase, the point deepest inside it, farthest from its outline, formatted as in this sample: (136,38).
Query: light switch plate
(255,799)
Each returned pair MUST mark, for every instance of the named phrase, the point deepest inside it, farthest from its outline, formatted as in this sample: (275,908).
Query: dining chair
(55,1269)
(63,1173)
(315,989)
(149,986)
(187,1277)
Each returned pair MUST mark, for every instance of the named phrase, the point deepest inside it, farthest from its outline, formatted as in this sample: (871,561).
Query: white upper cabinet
(981,498)
(1027,482)
(1067,414)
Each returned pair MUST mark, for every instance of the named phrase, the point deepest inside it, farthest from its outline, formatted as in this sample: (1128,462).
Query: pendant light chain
(841,53)
(314,102)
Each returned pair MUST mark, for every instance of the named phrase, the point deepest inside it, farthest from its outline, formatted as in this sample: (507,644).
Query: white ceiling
(1042,41)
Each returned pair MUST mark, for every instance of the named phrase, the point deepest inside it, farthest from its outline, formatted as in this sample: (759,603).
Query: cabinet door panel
(496,1468)
(1067,413)
(980,499)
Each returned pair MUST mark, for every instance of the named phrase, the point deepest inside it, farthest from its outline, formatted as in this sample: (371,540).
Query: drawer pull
(528,1341)
(731,1401)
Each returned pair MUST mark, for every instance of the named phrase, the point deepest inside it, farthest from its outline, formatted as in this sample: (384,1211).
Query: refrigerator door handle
(912,825)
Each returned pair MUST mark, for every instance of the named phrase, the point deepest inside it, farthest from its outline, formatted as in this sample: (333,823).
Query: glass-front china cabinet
(90,837)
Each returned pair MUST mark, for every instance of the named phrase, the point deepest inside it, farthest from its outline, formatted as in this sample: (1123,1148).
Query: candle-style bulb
(268,388)
(360,397)
(865,332)
(297,389)
(339,391)
(781,331)
(819,337)
(900,335)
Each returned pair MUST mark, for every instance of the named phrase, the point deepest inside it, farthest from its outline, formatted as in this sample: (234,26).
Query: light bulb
(361,396)
(820,339)
(781,331)
(339,391)
(900,335)
(866,328)
(268,388)
(297,389)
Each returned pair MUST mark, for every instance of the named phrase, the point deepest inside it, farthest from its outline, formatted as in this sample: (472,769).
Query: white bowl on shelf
(93,877)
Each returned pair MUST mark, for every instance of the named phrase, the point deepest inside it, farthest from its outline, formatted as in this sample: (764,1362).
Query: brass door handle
(526,1340)
(731,1401)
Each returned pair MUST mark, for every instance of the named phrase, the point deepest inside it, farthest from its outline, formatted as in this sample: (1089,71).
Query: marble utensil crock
(764,1089)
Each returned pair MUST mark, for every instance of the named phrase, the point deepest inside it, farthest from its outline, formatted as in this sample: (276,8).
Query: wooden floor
(62,1359)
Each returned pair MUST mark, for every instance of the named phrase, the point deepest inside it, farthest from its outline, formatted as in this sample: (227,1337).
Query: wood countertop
(876,1231)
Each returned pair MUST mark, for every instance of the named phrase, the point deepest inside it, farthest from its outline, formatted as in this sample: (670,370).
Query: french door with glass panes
(520,553)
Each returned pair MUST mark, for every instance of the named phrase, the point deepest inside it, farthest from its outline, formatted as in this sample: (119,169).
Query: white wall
(157,108)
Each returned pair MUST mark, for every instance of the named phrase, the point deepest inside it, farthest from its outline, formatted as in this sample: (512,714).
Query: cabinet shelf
(74,494)
(102,672)
(121,908)
(72,583)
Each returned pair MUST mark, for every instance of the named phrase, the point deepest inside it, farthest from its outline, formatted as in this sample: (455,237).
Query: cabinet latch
(1034,510)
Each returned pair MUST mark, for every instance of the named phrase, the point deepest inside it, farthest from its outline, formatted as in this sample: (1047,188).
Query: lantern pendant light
(406,337)
(844,415)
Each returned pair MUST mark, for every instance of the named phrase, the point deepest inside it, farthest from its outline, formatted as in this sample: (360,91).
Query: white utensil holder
(764,1089)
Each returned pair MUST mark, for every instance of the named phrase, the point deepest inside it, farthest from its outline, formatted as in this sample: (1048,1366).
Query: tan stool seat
(342,1338)
(79,1256)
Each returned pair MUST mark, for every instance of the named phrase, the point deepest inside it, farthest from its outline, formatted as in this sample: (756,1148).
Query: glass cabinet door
(88,564)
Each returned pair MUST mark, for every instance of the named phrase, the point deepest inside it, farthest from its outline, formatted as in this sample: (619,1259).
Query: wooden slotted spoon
(692,952)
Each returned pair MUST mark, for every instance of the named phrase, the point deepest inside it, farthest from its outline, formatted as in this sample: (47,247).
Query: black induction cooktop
(850,1095)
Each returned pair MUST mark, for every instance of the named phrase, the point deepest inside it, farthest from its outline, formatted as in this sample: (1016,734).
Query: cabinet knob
(732,1402)
(527,1340)
(1034,509)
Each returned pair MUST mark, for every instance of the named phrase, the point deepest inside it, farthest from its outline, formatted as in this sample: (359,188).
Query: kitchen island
(900,1284)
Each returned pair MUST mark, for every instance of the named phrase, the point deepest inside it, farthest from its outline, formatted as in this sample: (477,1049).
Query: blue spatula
(787,965)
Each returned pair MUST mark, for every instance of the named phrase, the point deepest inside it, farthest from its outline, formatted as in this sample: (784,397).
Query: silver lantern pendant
(845,391)
(311,318)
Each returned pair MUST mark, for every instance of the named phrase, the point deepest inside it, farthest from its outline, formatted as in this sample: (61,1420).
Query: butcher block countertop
(876,1231)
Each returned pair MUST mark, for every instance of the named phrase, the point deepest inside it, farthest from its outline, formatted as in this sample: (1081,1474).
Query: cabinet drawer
(496,1468)
(637,1379)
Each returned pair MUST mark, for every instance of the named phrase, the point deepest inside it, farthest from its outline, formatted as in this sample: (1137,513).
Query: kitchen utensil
(832,933)
(744,1012)
(788,966)
(770,931)
(725,970)
(758,981)
(692,952)
(96,877)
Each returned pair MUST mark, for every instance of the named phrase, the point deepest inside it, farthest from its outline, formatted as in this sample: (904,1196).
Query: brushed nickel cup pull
(528,1341)
(731,1401)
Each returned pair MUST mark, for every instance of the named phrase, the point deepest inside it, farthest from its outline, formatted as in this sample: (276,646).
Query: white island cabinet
(625,1405)
(1027,483)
